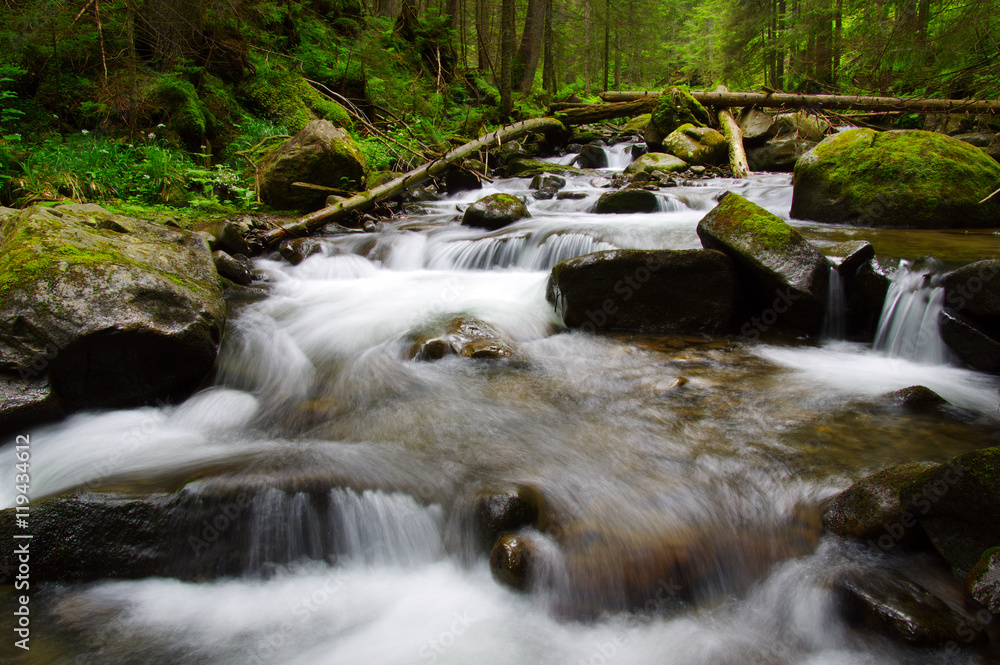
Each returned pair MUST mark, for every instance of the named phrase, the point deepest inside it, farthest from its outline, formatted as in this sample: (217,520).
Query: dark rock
(803,125)
(697,145)
(457,179)
(983,581)
(231,238)
(543,194)
(960,506)
(658,162)
(547,180)
(918,398)
(592,157)
(495,211)
(27,397)
(562,196)
(872,282)
(512,561)
(625,201)
(462,336)
(335,229)
(974,291)
(689,291)
(299,249)
(871,509)
(501,513)
(638,150)
(779,155)
(783,271)
(758,128)
(896,179)
(855,254)
(110,316)
(904,610)
(321,154)
(974,345)
(522,167)
(231,269)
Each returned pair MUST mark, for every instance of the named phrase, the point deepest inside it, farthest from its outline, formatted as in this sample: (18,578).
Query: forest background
(175,103)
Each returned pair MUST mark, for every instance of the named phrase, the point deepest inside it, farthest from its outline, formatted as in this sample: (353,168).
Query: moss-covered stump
(321,154)
(464,337)
(786,278)
(697,145)
(896,179)
(625,201)
(495,211)
(100,310)
(983,581)
(659,162)
(675,107)
(683,291)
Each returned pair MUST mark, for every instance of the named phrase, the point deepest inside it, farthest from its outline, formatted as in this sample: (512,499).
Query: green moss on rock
(896,179)
(287,99)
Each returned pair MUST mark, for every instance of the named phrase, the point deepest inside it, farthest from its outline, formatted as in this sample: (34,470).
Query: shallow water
(720,452)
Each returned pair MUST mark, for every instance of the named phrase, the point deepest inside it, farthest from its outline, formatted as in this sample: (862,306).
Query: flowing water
(681,478)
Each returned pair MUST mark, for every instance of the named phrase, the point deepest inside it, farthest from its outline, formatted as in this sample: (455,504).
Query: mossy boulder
(286,99)
(638,123)
(187,114)
(675,107)
(896,179)
(783,274)
(983,581)
(683,291)
(321,154)
(624,201)
(657,161)
(495,211)
(525,167)
(100,310)
(697,145)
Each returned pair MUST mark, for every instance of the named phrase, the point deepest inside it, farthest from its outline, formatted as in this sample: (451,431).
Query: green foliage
(285,98)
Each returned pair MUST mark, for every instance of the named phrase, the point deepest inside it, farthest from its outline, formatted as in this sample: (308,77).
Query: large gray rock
(685,291)
(321,154)
(757,127)
(100,310)
(896,179)
(785,275)
(697,145)
(779,154)
(628,200)
(495,211)
(656,161)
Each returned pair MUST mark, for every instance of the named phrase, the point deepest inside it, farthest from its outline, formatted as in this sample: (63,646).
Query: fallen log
(835,102)
(366,200)
(588,113)
(734,136)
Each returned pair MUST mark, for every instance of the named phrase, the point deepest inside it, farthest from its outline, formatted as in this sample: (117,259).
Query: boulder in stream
(697,145)
(757,127)
(976,345)
(627,200)
(495,211)
(896,179)
(690,291)
(321,154)
(780,154)
(101,310)
(462,336)
(784,274)
(660,162)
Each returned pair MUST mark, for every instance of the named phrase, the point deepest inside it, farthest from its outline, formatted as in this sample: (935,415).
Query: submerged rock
(100,310)
(495,211)
(513,561)
(656,161)
(649,290)
(785,275)
(629,200)
(547,181)
(919,398)
(697,145)
(321,154)
(465,337)
(504,512)
(896,179)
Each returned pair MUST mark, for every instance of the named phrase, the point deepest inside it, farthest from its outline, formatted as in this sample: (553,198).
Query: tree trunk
(586,46)
(364,201)
(607,42)
(387,8)
(731,130)
(506,56)
(549,66)
(531,45)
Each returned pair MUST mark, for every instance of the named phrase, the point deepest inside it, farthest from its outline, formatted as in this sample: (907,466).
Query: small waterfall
(527,252)
(370,527)
(619,156)
(835,321)
(908,325)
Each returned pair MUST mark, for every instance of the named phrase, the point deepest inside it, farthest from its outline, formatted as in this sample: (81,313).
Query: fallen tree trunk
(835,102)
(366,200)
(587,113)
(734,136)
